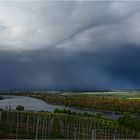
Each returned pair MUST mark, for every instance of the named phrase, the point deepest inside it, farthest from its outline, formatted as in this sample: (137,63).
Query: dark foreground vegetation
(129,122)
(45,125)
(1,97)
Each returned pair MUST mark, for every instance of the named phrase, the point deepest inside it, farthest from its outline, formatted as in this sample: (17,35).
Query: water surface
(33,104)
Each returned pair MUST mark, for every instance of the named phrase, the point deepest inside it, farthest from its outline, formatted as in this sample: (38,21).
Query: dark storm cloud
(83,71)
(69,45)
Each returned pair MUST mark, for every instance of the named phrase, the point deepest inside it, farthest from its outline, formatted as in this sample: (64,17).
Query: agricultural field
(118,94)
(21,125)
(65,124)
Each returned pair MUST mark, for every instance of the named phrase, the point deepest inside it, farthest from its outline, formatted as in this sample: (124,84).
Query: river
(33,104)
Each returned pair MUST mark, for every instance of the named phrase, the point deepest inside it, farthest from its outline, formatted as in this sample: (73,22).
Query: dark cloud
(69,45)
(108,70)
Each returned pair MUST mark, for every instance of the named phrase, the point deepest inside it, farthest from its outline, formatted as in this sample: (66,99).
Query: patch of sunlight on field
(134,98)
(118,94)
(92,93)
(100,93)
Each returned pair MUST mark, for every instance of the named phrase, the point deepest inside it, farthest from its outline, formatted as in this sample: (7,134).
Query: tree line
(102,103)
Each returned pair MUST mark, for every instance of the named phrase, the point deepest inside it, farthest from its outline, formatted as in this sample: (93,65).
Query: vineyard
(20,125)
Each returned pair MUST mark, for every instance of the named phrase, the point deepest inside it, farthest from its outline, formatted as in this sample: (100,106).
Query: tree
(20,108)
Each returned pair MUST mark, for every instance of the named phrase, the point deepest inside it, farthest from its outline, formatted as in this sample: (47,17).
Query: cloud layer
(75,45)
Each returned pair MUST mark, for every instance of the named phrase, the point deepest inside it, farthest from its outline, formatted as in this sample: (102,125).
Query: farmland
(65,124)
(19,125)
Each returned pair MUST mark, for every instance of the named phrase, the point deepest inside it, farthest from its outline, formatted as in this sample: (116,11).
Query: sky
(69,45)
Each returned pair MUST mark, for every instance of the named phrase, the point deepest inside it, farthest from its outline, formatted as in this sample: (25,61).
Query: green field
(119,94)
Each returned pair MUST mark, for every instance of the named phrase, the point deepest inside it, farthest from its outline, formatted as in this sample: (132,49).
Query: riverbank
(33,104)
(38,104)
(44,98)
(105,114)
